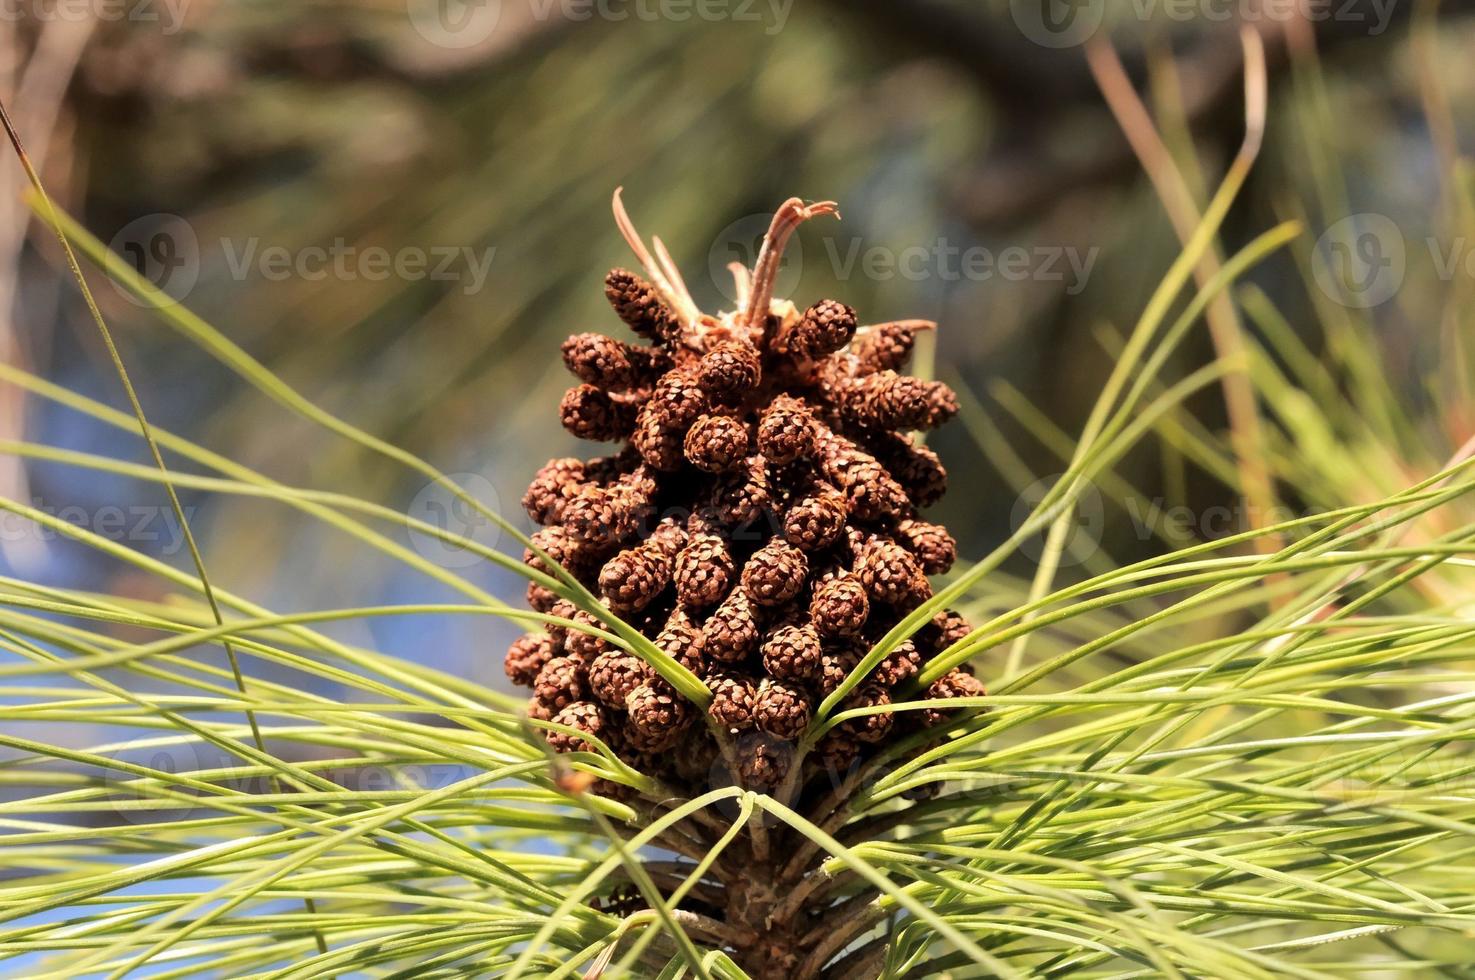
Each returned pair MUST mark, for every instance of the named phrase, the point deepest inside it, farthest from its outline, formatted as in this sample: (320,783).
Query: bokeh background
(402,206)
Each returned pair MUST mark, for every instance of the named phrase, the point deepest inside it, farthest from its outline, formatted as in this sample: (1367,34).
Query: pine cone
(731,632)
(884,347)
(561,682)
(554,484)
(785,453)
(763,761)
(901,664)
(716,443)
(585,646)
(658,715)
(613,675)
(787,431)
(781,709)
(931,543)
(825,327)
(888,571)
(869,728)
(526,657)
(586,717)
(732,701)
(592,413)
(816,520)
(775,574)
(600,361)
(704,571)
(954,684)
(633,578)
(839,606)
(638,304)
(792,652)
(680,639)
(729,371)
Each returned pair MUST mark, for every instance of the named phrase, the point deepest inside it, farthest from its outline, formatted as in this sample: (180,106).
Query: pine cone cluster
(758,519)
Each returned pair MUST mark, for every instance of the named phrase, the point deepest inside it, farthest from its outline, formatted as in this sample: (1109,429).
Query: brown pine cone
(561,682)
(889,572)
(899,665)
(680,639)
(657,441)
(704,571)
(950,628)
(692,756)
(781,709)
(599,360)
(885,346)
(731,632)
(954,684)
(657,714)
(607,515)
(678,399)
(835,664)
(585,646)
(613,675)
(870,492)
(729,371)
(869,728)
(585,716)
(931,543)
(732,701)
(541,597)
(592,413)
(633,578)
(557,543)
(554,484)
(716,443)
(824,328)
(636,302)
(558,632)
(775,574)
(538,711)
(792,652)
(815,520)
(763,761)
(787,431)
(839,606)
(744,495)
(915,467)
(526,656)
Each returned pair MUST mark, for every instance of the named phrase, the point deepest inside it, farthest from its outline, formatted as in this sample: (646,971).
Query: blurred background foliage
(235,128)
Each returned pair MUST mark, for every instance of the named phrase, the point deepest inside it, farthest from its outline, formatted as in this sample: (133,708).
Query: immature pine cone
(760,522)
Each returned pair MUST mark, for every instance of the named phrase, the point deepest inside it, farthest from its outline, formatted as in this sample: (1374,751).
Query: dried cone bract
(759,522)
